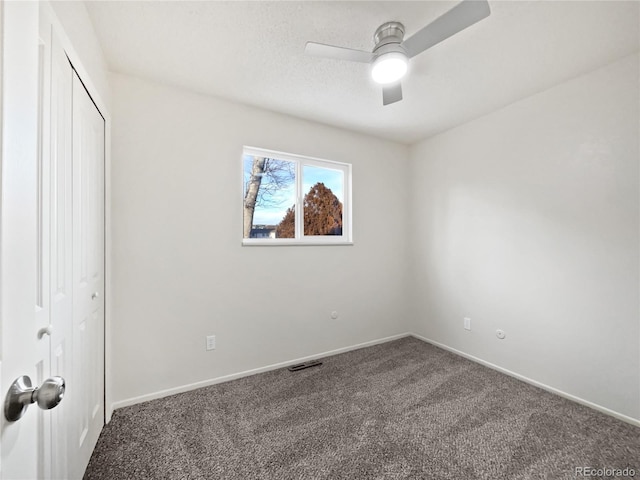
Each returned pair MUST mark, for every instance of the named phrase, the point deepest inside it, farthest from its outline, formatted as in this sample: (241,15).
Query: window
(292,200)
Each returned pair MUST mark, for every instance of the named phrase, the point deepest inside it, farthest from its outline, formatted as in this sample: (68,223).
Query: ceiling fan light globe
(389,67)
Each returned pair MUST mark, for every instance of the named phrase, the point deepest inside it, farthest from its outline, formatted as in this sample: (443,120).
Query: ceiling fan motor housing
(389,32)
(388,38)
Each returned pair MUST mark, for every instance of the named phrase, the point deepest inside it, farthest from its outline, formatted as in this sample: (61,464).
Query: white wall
(527,220)
(180,272)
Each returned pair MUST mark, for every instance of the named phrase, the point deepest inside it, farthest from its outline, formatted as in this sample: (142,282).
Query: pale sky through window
(332,179)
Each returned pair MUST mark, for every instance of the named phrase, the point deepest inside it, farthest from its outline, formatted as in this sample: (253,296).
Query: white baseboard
(246,373)
(595,406)
(226,378)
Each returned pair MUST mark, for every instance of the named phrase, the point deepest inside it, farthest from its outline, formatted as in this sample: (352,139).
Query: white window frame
(301,161)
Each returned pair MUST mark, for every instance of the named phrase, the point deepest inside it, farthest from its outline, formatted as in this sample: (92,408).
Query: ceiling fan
(391,54)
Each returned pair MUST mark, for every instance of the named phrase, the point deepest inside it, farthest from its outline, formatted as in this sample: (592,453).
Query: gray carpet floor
(400,410)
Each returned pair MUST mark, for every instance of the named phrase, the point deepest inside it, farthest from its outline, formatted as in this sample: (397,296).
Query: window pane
(323,200)
(269,197)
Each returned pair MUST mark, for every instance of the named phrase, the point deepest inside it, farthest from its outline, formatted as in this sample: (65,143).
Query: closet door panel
(88,271)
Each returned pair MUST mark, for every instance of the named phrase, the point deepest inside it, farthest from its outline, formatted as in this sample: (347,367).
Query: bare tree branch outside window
(268,177)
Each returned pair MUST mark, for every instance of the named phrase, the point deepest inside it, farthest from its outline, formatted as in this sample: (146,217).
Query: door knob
(21,394)
(45,331)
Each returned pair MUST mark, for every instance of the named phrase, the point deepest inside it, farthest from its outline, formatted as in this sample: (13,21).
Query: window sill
(297,243)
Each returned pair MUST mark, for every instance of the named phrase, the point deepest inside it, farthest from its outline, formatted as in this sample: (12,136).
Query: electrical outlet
(211,342)
(467,323)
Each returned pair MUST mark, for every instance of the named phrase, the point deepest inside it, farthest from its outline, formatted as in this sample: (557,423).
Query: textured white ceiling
(252,52)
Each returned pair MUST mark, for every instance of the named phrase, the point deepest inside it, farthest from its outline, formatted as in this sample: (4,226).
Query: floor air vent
(302,366)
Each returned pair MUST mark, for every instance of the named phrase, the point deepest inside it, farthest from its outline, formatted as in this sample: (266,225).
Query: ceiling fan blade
(455,20)
(338,53)
(391,93)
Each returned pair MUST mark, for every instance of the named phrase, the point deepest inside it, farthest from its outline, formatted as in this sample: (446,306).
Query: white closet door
(88,277)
